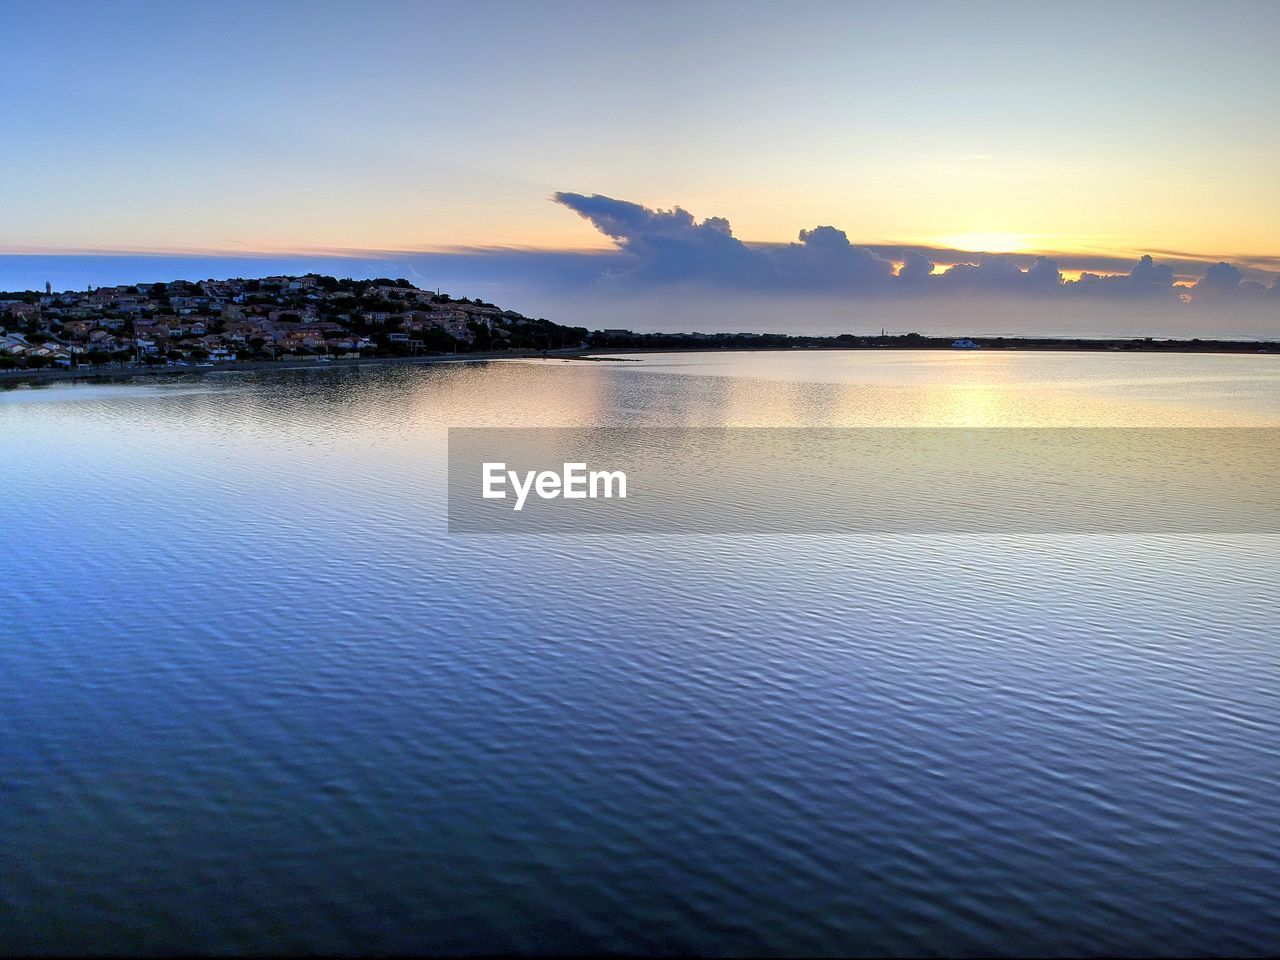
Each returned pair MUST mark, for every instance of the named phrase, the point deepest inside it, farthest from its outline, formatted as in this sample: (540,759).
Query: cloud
(1146,279)
(1044,274)
(989,273)
(661,247)
(670,245)
(916,268)
(1219,279)
(1147,272)
(825,256)
(1225,283)
(1222,281)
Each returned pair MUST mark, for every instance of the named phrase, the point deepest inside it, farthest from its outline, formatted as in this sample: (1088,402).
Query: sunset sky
(1091,132)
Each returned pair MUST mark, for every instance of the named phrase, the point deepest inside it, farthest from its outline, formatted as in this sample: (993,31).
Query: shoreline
(237,366)
(600,354)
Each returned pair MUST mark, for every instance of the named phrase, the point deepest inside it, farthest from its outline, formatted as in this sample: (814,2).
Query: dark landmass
(666,342)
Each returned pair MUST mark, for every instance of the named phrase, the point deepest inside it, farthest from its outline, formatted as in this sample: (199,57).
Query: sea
(255,696)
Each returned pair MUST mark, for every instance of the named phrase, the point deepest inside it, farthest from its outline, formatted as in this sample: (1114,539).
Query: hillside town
(208,322)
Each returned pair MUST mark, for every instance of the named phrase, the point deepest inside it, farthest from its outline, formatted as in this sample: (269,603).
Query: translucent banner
(623,480)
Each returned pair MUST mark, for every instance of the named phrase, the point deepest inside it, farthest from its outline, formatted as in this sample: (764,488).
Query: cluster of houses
(210,321)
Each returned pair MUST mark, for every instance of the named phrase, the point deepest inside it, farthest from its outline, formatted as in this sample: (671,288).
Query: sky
(1091,133)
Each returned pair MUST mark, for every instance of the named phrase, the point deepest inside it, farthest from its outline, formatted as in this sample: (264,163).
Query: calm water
(253,697)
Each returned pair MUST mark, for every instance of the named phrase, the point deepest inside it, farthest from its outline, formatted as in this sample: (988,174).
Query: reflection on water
(990,388)
(253,697)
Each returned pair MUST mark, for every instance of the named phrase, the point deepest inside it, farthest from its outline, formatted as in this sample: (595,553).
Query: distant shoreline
(605,354)
(988,344)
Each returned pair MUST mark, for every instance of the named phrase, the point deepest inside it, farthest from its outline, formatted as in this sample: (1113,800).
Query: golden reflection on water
(764,403)
(935,388)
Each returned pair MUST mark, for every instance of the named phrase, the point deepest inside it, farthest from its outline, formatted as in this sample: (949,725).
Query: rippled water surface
(253,697)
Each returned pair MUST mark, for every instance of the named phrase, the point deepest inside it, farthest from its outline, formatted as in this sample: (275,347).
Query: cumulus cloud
(916,268)
(989,273)
(1219,278)
(1044,274)
(1225,283)
(1147,279)
(1147,271)
(672,246)
(825,256)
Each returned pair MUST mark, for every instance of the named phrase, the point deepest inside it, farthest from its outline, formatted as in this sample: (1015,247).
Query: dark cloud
(916,268)
(1146,271)
(1219,278)
(1044,274)
(1225,283)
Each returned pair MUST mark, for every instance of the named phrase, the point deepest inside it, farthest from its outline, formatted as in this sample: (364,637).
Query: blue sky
(418,125)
